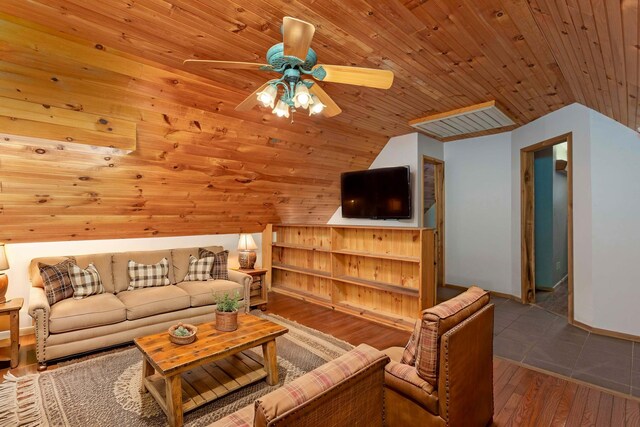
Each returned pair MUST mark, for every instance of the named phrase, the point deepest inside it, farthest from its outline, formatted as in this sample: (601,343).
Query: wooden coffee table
(184,377)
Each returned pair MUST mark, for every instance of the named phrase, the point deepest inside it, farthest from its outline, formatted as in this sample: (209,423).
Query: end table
(258,287)
(12,308)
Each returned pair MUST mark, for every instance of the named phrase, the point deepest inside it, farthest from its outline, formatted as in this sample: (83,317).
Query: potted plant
(227,311)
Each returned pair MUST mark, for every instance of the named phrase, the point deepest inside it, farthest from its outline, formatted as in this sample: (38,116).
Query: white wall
(20,254)
(477,212)
(573,118)
(615,231)
(400,151)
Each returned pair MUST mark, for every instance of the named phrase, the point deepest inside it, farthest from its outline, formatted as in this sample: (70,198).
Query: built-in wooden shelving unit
(385,274)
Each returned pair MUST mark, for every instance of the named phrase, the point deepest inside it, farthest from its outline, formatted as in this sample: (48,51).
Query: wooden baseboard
(606,332)
(28,330)
(494,293)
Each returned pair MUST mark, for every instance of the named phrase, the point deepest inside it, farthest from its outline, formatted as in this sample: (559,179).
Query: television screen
(377,193)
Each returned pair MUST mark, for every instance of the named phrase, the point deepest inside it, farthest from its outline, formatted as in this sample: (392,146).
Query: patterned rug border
(28,388)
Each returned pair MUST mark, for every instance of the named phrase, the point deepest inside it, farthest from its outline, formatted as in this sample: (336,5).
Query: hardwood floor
(522,396)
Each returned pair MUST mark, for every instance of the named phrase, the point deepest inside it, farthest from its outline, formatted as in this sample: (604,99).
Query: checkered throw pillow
(220,269)
(57,283)
(146,276)
(199,269)
(85,282)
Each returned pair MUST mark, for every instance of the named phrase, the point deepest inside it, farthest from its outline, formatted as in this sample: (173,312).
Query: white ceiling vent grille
(464,122)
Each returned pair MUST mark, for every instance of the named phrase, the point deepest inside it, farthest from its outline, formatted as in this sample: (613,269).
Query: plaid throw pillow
(146,276)
(199,269)
(85,282)
(409,354)
(57,283)
(219,270)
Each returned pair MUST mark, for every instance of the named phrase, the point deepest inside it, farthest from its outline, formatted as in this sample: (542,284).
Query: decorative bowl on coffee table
(177,333)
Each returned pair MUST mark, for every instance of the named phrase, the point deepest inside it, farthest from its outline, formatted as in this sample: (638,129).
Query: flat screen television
(383,193)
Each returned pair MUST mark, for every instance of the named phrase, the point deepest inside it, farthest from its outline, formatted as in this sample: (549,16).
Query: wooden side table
(258,287)
(12,308)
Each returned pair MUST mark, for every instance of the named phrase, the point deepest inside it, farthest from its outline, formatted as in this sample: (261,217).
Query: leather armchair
(447,375)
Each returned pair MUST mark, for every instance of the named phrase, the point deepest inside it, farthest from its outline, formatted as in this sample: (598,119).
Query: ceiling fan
(295,59)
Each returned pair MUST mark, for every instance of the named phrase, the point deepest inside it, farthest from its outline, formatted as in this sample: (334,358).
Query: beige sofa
(73,326)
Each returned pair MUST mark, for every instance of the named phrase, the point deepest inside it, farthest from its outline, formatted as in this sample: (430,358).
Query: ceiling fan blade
(331,108)
(297,35)
(227,65)
(251,100)
(370,77)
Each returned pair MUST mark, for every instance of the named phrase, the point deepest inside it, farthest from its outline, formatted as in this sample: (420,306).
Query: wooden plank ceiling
(200,167)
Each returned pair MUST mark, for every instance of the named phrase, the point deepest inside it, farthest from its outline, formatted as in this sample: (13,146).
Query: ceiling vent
(476,120)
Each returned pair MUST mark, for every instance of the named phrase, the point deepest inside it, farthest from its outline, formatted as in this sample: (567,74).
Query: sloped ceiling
(200,167)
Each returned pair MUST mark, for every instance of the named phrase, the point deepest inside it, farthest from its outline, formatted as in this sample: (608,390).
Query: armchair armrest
(344,391)
(39,309)
(466,370)
(404,379)
(245,280)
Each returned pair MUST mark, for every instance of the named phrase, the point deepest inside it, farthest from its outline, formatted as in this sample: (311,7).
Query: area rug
(103,390)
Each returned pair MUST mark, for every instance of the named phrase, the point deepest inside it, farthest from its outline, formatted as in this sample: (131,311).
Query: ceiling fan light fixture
(267,97)
(316,106)
(281,110)
(302,98)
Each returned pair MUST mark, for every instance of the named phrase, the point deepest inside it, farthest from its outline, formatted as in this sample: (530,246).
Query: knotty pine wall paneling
(198,167)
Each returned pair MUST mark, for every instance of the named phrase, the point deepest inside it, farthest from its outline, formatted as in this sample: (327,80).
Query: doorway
(547,225)
(432,208)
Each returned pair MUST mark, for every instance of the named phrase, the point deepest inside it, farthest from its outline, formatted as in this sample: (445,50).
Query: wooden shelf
(295,269)
(374,312)
(379,285)
(299,294)
(361,272)
(302,247)
(375,255)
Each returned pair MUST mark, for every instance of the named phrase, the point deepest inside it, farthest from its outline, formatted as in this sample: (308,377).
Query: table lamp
(246,251)
(4,280)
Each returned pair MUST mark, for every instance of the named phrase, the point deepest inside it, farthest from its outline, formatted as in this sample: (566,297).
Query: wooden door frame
(439,184)
(527,223)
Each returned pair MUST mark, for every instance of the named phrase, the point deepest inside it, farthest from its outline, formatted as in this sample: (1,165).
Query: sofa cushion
(199,269)
(181,259)
(148,275)
(203,292)
(85,282)
(121,261)
(103,265)
(96,310)
(34,269)
(57,283)
(149,301)
(220,269)
(438,320)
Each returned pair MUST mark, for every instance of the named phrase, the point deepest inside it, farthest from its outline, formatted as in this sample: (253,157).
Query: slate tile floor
(536,337)
(539,338)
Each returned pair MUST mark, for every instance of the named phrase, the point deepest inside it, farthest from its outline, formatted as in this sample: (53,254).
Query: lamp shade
(4,262)
(247,243)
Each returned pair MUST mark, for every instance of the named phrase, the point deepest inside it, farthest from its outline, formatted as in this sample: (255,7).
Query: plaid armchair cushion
(220,269)
(409,353)
(405,379)
(199,269)
(146,276)
(316,382)
(438,320)
(85,282)
(57,283)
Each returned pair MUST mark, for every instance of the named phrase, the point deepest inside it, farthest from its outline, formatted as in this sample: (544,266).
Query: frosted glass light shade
(4,262)
(247,243)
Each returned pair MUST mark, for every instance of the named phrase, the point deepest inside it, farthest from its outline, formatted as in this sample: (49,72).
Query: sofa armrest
(39,309)
(245,280)
(344,391)
(404,379)
(466,371)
